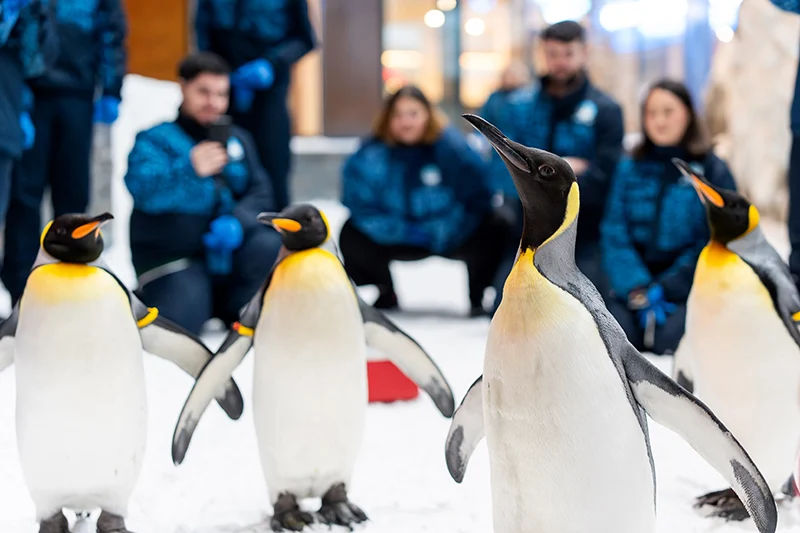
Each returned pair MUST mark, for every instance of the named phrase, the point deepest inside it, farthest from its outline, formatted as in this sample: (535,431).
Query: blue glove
(28,130)
(416,236)
(243,98)
(226,235)
(657,306)
(106,110)
(255,75)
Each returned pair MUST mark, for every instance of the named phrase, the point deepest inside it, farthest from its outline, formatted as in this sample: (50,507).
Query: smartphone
(220,130)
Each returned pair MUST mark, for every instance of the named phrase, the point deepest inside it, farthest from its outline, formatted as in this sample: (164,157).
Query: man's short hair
(202,63)
(566,31)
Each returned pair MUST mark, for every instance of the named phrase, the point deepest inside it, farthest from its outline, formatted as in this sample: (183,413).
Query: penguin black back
(75,238)
(730,216)
(542,179)
(302,226)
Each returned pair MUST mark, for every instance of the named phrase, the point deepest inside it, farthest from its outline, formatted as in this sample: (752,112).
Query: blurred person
(793,6)
(261,41)
(514,76)
(564,113)
(655,225)
(28,46)
(197,188)
(82,87)
(415,189)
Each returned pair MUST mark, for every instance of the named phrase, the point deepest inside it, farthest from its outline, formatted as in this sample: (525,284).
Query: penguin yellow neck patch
(61,282)
(716,255)
(571,213)
(309,270)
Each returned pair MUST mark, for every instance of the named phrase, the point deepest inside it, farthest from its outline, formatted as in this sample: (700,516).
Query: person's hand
(648,302)
(28,130)
(579,166)
(255,75)
(208,158)
(106,110)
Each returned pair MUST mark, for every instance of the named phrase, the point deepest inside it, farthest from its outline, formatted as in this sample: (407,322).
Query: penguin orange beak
(704,190)
(92,226)
(285,224)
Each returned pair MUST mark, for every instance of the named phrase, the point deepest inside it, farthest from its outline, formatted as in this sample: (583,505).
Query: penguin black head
(543,180)
(302,226)
(730,215)
(75,238)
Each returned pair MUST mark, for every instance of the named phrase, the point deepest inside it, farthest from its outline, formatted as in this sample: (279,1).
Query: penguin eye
(61,231)
(546,171)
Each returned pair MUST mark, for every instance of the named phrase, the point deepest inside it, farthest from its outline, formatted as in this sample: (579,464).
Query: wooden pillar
(351,62)
(158,36)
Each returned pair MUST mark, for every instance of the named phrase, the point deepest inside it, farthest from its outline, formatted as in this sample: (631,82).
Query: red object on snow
(388,384)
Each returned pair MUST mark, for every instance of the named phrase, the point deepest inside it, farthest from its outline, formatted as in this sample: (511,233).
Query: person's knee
(182,297)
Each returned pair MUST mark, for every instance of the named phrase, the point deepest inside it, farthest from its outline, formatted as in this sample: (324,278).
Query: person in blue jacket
(416,189)
(28,46)
(91,61)
(793,6)
(197,187)
(655,225)
(261,40)
(565,114)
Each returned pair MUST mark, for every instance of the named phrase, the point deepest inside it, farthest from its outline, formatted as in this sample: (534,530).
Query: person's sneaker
(386,301)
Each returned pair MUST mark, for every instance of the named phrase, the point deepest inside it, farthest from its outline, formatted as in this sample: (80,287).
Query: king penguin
(563,396)
(76,338)
(741,350)
(310,332)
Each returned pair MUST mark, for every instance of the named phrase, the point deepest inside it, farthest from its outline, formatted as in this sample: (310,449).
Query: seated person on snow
(416,189)
(655,224)
(196,245)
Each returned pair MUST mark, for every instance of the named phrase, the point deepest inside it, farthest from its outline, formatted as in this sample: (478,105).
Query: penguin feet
(55,524)
(726,503)
(338,510)
(288,516)
(111,523)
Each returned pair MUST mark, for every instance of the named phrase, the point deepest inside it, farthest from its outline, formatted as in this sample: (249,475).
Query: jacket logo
(235,149)
(586,113)
(430,175)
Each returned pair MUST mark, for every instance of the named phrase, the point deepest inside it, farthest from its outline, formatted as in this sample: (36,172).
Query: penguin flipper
(383,335)
(673,407)
(758,253)
(214,375)
(168,340)
(681,370)
(8,328)
(466,431)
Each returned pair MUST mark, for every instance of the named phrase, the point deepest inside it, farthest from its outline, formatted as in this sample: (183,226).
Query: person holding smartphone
(197,186)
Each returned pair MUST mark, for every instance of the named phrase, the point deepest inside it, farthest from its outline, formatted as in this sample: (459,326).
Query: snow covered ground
(401,479)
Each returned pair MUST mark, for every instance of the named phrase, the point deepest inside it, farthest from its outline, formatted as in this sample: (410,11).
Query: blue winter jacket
(28,46)
(794,7)
(173,207)
(92,52)
(243,30)
(655,224)
(586,124)
(439,189)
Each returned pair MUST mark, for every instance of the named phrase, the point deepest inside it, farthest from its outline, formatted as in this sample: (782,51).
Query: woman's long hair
(695,140)
(436,121)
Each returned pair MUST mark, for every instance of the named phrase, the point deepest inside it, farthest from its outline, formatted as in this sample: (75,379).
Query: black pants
(794,207)
(367,262)
(667,336)
(269,124)
(192,296)
(60,159)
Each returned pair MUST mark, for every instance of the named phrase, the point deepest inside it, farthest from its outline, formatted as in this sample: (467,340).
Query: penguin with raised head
(76,337)
(563,396)
(310,332)
(741,350)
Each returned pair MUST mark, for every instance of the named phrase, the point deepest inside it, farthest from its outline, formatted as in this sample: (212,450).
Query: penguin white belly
(310,376)
(81,404)
(745,365)
(567,453)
